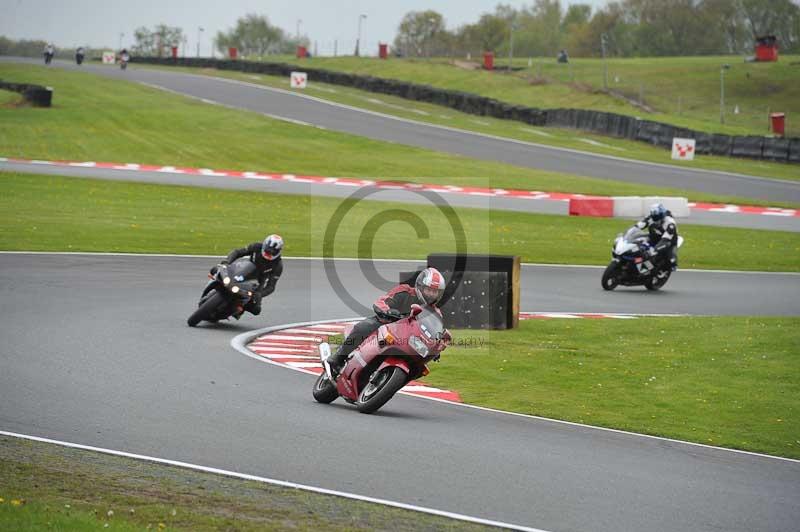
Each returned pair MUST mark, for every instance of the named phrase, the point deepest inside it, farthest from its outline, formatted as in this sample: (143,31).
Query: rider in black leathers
(266,256)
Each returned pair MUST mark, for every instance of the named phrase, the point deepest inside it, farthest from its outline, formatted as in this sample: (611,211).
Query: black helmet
(272,246)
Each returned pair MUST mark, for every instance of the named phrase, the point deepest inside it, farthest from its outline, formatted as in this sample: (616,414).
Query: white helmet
(430,286)
(272,246)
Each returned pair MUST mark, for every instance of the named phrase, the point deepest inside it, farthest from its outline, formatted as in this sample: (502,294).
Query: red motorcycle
(386,361)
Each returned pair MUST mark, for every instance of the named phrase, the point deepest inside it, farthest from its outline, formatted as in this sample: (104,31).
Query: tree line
(629,28)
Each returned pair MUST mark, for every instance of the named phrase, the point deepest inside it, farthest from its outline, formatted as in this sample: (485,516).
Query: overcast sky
(70,23)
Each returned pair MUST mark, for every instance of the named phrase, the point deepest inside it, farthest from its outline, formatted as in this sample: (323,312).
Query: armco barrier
(775,149)
(35,94)
(721,144)
(749,147)
(612,124)
(794,151)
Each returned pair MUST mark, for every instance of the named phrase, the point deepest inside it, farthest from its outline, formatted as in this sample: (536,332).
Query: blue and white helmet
(272,247)
(657,212)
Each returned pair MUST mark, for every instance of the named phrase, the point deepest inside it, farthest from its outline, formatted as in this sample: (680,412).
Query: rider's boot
(336,362)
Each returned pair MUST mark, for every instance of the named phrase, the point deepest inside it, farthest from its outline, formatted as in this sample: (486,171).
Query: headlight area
(418,345)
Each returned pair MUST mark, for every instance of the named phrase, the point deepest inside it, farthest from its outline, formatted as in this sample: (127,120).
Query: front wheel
(610,278)
(381,388)
(325,390)
(207,310)
(654,283)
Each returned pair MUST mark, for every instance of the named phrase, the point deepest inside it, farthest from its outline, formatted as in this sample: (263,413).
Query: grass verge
(48,487)
(48,213)
(100,119)
(731,382)
(565,138)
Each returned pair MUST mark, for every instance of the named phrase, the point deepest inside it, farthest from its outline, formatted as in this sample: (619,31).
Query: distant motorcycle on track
(230,288)
(124,58)
(632,264)
(387,360)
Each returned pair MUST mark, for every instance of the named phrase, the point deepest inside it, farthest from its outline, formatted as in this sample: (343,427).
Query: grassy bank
(100,119)
(682,90)
(731,382)
(566,138)
(47,487)
(70,214)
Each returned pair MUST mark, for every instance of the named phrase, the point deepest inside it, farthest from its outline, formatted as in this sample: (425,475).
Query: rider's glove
(652,252)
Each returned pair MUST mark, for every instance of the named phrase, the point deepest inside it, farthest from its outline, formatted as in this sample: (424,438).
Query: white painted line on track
(265,480)
(240,342)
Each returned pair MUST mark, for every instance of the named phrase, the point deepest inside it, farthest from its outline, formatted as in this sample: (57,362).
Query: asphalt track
(96,351)
(543,206)
(313,111)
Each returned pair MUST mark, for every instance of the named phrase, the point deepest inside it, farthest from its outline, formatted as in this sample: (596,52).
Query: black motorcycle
(633,265)
(230,288)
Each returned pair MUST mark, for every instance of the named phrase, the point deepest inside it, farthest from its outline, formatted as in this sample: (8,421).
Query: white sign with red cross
(298,80)
(109,58)
(683,149)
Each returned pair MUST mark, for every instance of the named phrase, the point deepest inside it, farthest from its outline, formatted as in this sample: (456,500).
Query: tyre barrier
(610,124)
(626,206)
(470,277)
(36,95)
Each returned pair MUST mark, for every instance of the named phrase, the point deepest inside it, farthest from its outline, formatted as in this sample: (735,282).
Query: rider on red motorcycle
(392,306)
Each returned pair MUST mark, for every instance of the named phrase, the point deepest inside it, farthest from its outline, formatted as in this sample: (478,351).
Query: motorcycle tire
(374,396)
(206,310)
(324,390)
(654,283)
(610,280)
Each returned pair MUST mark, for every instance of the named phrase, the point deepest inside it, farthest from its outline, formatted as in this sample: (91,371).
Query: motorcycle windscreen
(430,324)
(242,269)
(633,233)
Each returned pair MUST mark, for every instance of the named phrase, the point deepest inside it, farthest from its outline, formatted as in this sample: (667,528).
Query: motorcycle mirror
(415,309)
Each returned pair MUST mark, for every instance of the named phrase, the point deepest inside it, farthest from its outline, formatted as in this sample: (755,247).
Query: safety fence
(35,94)
(599,122)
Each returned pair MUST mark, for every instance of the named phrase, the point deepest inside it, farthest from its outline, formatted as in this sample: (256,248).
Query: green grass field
(100,119)
(68,214)
(47,487)
(565,138)
(8,98)
(683,91)
(693,379)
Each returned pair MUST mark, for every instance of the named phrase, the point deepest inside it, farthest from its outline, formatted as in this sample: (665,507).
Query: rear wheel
(207,310)
(325,390)
(380,388)
(610,278)
(654,283)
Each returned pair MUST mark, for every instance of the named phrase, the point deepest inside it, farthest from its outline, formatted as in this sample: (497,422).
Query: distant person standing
(79,55)
(49,52)
(563,57)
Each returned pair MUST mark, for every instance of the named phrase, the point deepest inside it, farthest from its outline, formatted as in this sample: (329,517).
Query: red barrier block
(591,207)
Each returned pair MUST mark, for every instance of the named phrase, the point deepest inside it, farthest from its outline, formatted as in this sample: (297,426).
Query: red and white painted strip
(392,185)
(297,348)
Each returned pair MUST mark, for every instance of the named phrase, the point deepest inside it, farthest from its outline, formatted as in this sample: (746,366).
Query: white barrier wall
(627,206)
(639,207)
(678,206)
